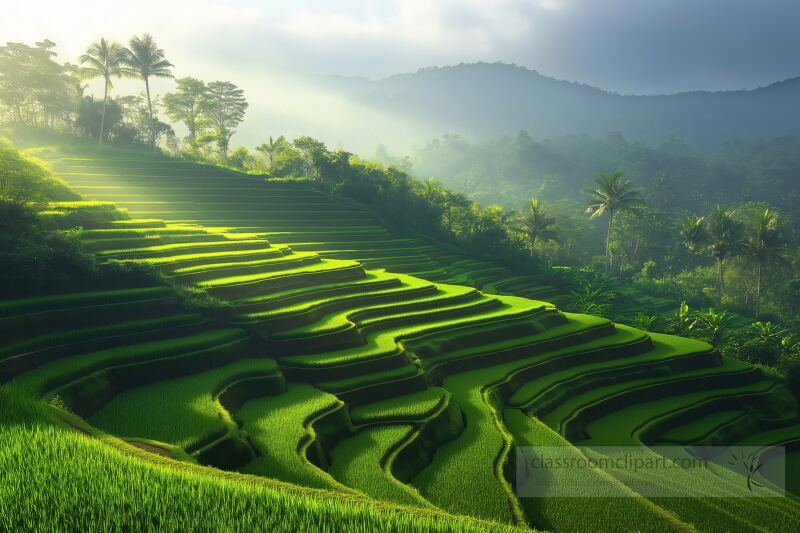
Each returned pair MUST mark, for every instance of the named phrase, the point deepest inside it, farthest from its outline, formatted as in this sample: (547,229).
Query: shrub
(35,259)
(791,375)
(25,178)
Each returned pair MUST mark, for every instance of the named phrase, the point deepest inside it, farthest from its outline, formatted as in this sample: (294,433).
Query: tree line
(36,90)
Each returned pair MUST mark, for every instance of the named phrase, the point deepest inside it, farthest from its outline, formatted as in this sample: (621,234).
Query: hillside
(485,99)
(354,360)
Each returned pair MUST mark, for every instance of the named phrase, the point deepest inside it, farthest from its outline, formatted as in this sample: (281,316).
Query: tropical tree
(143,59)
(272,148)
(692,231)
(35,88)
(592,299)
(712,326)
(311,150)
(765,246)
(535,223)
(456,207)
(432,190)
(611,195)
(223,108)
(724,234)
(102,60)
(682,321)
(645,322)
(185,104)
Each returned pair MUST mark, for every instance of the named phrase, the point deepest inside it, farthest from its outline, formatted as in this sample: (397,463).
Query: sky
(628,46)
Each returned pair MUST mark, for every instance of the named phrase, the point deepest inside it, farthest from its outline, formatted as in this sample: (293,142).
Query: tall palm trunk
(720,279)
(150,111)
(759,285)
(103,113)
(608,238)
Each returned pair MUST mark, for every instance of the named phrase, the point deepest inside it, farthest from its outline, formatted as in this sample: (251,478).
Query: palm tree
(272,148)
(724,240)
(766,247)
(143,59)
(612,195)
(692,231)
(431,190)
(102,60)
(535,223)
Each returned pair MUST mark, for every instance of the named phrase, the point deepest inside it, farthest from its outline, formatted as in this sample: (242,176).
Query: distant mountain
(498,98)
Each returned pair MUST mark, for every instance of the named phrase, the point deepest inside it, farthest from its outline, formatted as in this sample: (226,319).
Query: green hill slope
(366,363)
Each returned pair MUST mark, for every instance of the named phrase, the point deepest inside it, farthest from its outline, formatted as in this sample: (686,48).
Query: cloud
(626,45)
(446,30)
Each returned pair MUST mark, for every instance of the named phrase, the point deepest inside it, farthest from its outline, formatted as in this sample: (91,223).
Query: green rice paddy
(411,374)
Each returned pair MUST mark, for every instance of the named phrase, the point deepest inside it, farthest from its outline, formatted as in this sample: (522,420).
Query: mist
(284,56)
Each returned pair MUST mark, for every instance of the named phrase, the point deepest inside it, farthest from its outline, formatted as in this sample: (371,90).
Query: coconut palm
(692,231)
(724,234)
(766,247)
(102,60)
(143,59)
(535,223)
(272,148)
(431,189)
(612,194)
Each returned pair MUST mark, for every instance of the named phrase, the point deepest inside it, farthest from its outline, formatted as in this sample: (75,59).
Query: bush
(27,179)
(40,261)
(791,375)
(743,345)
(692,286)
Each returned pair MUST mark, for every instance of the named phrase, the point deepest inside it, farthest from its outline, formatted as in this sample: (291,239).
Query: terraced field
(369,364)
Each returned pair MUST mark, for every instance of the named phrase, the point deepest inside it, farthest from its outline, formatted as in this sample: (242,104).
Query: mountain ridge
(502,98)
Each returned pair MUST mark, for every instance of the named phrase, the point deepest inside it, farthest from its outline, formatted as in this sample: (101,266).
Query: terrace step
(574,416)
(180,261)
(167,250)
(112,244)
(343,333)
(327,271)
(366,388)
(208,271)
(411,407)
(51,348)
(290,442)
(310,311)
(264,305)
(61,372)
(186,411)
(363,460)
(39,323)
(420,296)
(386,342)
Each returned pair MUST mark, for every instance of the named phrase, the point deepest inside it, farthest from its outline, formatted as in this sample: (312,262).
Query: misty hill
(498,98)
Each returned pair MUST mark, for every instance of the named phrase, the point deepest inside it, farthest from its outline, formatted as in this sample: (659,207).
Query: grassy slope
(54,478)
(472,462)
(278,425)
(360,462)
(181,411)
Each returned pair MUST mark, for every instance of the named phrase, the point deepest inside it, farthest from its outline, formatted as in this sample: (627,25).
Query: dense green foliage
(41,255)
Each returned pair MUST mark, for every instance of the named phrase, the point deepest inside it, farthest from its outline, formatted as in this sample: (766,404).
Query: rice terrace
(493,331)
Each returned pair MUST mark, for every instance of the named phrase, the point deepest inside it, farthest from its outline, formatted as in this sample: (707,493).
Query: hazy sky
(625,45)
